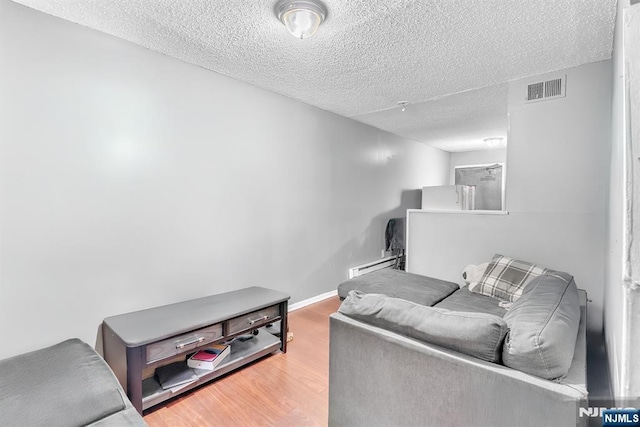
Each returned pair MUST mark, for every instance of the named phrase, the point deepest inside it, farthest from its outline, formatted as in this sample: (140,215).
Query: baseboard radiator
(372,266)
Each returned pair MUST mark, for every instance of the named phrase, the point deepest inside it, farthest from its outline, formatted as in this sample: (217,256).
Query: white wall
(622,261)
(478,157)
(558,148)
(613,289)
(631,376)
(130,180)
(557,170)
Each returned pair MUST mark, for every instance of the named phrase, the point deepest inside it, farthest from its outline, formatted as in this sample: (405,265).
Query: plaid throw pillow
(505,278)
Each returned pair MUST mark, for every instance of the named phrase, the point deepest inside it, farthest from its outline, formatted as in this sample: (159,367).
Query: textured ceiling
(456,122)
(370,54)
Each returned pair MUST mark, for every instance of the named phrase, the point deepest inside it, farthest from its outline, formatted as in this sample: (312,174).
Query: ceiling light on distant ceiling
(301,17)
(493,142)
(403,105)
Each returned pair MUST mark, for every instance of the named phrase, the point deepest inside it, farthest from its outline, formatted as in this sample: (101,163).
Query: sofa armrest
(377,377)
(62,385)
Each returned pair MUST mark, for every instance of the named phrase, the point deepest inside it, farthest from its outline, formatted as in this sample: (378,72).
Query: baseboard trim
(312,300)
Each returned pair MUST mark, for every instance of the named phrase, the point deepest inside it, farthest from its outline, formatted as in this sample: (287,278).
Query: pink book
(209,357)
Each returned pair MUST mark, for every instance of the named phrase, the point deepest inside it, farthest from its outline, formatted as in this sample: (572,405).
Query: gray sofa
(408,350)
(67,384)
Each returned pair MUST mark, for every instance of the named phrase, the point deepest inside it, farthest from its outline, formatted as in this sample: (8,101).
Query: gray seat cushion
(476,334)
(67,384)
(400,284)
(465,300)
(543,326)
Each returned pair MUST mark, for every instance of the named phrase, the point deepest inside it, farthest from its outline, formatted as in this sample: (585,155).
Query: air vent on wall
(549,89)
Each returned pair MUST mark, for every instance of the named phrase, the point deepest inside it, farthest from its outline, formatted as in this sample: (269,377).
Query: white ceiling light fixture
(301,17)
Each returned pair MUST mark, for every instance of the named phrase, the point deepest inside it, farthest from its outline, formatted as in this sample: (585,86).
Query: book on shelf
(174,375)
(209,358)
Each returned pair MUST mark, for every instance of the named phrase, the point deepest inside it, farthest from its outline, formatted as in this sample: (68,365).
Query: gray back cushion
(477,334)
(543,326)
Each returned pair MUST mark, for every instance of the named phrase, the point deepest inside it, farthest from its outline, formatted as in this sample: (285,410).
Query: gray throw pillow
(505,278)
(476,334)
(543,327)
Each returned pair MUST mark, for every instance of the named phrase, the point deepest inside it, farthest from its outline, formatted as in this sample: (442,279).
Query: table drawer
(253,319)
(172,346)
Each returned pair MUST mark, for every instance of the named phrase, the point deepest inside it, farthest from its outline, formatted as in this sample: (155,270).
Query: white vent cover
(549,89)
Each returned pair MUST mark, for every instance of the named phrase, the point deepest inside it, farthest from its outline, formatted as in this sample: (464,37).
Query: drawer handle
(184,344)
(256,320)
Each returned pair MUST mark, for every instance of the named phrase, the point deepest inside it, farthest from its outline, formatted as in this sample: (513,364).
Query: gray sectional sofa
(408,350)
(67,384)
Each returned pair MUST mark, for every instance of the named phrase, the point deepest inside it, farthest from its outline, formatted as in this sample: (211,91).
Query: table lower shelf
(242,352)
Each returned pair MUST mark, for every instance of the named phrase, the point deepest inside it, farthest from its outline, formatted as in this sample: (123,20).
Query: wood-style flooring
(279,390)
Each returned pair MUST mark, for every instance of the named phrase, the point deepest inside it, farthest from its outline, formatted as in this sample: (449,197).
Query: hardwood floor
(279,390)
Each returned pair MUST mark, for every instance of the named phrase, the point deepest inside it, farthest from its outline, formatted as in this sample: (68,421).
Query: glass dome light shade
(302,18)
(301,23)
